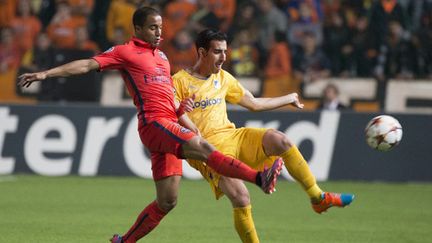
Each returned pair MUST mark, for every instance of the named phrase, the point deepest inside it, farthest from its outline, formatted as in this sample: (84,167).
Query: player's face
(215,56)
(151,30)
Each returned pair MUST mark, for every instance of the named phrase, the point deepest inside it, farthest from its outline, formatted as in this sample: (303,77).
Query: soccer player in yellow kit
(210,87)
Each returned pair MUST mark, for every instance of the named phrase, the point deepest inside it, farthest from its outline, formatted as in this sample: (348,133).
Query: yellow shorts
(244,144)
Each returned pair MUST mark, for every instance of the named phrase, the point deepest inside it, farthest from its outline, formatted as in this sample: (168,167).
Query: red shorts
(164,139)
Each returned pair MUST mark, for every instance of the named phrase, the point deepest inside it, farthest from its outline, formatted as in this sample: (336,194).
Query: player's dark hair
(206,36)
(140,15)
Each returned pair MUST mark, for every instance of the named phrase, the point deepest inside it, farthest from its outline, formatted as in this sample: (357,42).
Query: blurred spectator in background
(81,9)
(35,5)
(26,26)
(399,53)
(119,36)
(303,11)
(10,54)
(331,6)
(10,57)
(7,12)
(203,18)
(279,61)
(270,20)
(364,49)
(180,51)
(330,99)
(224,10)
(47,9)
(41,56)
(97,24)
(243,55)
(245,19)
(119,15)
(350,10)
(176,15)
(310,62)
(278,70)
(382,13)
(415,11)
(337,45)
(83,42)
(304,16)
(423,40)
(62,28)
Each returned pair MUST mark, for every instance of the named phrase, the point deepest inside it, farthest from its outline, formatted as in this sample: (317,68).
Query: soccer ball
(383,133)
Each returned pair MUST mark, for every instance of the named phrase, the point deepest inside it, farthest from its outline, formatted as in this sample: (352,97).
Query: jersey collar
(141,43)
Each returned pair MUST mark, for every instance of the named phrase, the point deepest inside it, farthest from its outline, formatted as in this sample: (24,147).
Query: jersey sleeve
(178,87)
(110,59)
(235,90)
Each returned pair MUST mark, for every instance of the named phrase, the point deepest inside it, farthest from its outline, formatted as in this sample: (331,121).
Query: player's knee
(207,148)
(236,191)
(202,146)
(275,142)
(241,199)
(167,204)
(285,144)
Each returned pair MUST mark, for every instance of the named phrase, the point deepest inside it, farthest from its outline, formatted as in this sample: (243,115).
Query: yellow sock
(244,224)
(299,170)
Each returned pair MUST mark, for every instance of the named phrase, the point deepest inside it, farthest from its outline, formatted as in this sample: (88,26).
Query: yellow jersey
(211,94)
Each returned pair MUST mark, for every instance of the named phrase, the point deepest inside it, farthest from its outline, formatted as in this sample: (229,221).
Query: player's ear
(137,28)
(202,52)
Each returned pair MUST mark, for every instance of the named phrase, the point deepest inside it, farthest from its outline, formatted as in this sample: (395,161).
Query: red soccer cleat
(116,239)
(269,176)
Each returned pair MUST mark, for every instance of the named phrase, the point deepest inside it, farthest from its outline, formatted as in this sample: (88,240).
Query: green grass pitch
(76,209)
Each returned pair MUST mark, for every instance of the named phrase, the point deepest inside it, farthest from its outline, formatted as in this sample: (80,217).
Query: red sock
(148,219)
(231,167)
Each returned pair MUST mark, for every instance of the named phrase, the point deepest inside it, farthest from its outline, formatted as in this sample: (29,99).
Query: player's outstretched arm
(68,69)
(264,104)
(186,122)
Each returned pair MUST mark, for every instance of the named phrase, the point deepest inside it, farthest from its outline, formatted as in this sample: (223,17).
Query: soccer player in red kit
(146,72)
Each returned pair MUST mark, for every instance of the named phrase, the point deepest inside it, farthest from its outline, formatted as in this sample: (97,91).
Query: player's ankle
(317,200)
(258,181)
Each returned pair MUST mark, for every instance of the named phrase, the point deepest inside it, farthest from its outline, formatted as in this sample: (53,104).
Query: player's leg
(150,217)
(169,137)
(276,143)
(199,149)
(167,171)
(238,194)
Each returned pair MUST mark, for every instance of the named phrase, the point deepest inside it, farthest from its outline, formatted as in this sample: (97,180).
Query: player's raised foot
(269,176)
(330,199)
(116,239)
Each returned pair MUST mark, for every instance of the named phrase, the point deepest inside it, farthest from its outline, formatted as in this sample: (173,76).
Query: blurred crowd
(285,40)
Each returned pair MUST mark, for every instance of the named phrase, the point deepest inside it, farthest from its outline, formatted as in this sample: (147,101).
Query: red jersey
(146,73)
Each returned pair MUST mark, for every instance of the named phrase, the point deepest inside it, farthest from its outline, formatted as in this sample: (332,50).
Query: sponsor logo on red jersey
(163,56)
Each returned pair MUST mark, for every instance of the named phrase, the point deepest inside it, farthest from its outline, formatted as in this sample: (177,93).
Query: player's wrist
(45,75)
(180,111)
(290,98)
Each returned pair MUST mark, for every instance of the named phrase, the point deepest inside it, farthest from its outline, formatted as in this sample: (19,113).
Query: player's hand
(188,104)
(294,100)
(27,79)
(197,132)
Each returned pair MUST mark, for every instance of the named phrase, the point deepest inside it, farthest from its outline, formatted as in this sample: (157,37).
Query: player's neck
(198,71)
